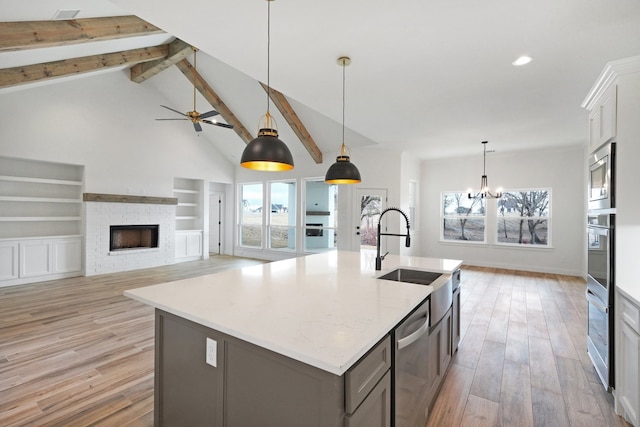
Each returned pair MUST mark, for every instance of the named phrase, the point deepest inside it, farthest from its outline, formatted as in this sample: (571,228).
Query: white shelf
(38,218)
(38,199)
(183,191)
(188,204)
(39,180)
(185,218)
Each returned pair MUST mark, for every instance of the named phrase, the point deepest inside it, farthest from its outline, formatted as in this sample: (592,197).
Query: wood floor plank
(542,363)
(480,412)
(548,409)
(582,405)
(516,407)
(450,404)
(488,377)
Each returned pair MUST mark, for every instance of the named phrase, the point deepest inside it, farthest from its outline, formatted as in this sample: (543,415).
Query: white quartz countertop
(326,310)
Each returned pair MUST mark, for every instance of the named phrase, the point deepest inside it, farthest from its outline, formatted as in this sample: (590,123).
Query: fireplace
(123,237)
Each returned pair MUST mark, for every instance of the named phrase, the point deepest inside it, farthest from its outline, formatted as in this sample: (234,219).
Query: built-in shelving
(40,199)
(40,220)
(189,218)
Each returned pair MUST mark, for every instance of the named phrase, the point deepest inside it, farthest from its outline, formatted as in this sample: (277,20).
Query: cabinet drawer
(375,411)
(630,314)
(364,375)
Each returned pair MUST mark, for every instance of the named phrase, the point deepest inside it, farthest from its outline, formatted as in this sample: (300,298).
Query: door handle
(595,301)
(410,339)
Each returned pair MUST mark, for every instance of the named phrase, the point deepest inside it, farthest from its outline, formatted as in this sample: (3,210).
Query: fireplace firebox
(123,237)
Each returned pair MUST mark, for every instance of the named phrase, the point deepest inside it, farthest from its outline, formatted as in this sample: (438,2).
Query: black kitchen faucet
(407,243)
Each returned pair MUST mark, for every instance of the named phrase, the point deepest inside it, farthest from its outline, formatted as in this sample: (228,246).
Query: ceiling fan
(196,117)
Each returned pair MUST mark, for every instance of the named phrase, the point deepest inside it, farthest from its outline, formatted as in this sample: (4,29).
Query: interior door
(370,202)
(215,222)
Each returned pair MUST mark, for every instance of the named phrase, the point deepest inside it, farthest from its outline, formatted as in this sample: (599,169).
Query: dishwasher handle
(415,336)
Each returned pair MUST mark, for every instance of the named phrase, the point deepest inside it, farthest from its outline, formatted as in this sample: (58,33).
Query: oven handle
(415,336)
(600,231)
(593,299)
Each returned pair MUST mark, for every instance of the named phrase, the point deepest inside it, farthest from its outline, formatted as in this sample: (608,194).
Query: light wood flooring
(75,352)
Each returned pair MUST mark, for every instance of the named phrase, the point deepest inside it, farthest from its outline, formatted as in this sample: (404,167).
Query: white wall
(561,170)
(106,122)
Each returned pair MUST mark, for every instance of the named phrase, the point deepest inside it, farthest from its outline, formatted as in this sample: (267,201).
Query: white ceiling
(429,77)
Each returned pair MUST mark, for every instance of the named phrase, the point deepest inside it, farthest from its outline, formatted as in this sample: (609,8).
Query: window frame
(241,217)
(548,218)
(268,217)
(443,217)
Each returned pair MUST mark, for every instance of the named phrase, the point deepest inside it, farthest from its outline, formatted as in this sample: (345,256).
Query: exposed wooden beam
(294,121)
(37,34)
(49,70)
(212,97)
(178,50)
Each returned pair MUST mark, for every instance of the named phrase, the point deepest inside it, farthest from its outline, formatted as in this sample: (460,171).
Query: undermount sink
(411,276)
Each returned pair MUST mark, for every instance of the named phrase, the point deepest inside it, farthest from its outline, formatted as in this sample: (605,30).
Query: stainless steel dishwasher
(411,379)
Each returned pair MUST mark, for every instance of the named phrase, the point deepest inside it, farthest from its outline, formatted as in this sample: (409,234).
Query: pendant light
(485,193)
(267,152)
(343,171)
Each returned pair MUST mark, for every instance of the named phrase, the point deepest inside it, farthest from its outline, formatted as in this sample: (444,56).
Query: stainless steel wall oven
(601,183)
(600,295)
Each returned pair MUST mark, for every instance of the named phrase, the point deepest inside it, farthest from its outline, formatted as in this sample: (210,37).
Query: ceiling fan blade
(197,127)
(224,125)
(175,111)
(209,114)
(172,119)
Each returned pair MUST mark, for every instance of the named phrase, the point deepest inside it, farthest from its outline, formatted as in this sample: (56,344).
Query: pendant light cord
(268,53)
(344,65)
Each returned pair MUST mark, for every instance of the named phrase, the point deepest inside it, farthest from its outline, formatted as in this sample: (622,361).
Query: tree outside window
(523,217)
(463,219)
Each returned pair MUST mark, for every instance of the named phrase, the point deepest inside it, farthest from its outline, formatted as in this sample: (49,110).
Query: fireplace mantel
(125,198)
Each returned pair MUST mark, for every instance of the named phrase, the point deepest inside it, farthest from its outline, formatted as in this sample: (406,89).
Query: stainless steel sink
(440,299)
(411,276)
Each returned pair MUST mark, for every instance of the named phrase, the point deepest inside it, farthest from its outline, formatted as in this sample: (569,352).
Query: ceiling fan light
(267,153)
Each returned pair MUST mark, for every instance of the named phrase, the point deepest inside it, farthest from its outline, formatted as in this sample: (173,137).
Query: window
(320,217)
(282,215)
(463,219)
(523,217)
(250,221)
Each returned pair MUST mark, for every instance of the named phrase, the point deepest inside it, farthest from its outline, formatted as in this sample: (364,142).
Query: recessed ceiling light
(523,60)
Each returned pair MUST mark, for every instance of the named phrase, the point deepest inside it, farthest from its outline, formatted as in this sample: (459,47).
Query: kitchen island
(281,341)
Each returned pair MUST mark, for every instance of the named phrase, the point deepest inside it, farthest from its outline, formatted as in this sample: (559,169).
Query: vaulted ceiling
(430,78)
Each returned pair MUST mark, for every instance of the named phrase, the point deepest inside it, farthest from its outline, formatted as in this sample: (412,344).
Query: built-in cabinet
(628,385)
(614,107)
(40,220)
(189,218)
(602,119)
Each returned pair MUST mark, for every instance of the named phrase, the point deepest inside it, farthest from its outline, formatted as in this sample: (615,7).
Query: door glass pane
(370,210)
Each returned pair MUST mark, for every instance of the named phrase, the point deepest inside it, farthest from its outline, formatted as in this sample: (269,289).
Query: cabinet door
(455,319)
(194,244)
(67,256)
(627,390)
(446,348)
(181,245)
(8,260)
(375,410)
(434,362)
(35,258)
(603,119)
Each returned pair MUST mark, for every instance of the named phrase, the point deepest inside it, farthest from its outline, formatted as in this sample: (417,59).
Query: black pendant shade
(342,172)
(267,153)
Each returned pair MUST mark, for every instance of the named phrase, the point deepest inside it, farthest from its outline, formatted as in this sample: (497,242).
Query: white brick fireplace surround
(105,210)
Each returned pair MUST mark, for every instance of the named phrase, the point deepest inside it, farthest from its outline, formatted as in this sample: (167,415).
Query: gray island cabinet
(300,342)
